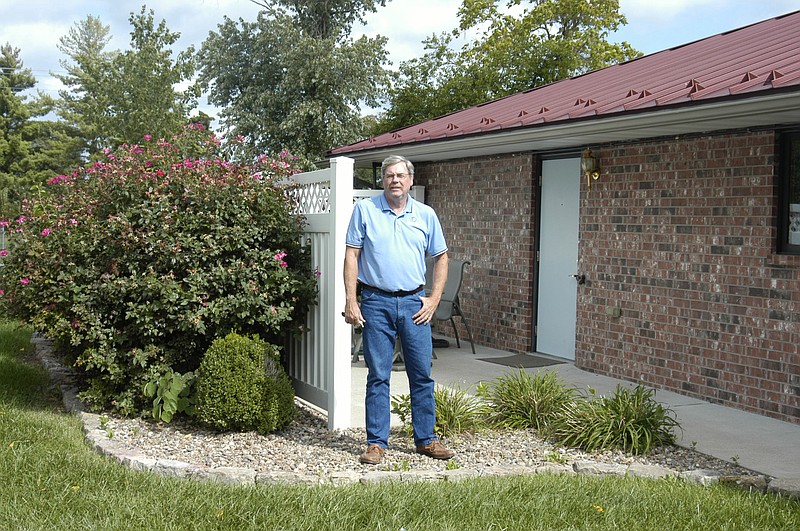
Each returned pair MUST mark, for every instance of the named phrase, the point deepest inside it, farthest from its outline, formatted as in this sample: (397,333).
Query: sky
(35,26)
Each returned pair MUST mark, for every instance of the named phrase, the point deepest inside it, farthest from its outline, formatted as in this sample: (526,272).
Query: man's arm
(431,302)
(352,311)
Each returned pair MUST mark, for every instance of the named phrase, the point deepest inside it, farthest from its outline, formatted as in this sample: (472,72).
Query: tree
(119,97)
(31,150)
(294,78)
(550,40)
(143,96)
(15,115)
(84,102)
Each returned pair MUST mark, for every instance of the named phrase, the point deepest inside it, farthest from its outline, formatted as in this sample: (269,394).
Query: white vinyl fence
(319,362)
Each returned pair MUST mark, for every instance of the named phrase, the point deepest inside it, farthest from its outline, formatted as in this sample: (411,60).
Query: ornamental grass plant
(52,480)
(629,420)
(457,411)
(519,400)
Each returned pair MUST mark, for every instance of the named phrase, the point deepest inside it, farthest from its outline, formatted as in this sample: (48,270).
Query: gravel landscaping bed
(308,447)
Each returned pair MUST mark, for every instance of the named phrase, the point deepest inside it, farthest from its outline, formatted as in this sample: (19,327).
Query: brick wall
(680,236)
(485,206)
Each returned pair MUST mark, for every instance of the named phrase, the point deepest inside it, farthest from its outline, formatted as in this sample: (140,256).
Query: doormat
(525,361)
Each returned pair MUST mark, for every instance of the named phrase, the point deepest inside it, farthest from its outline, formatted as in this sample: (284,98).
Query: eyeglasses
(400,176)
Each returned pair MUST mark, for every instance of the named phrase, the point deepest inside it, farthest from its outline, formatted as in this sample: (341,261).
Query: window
(789,211)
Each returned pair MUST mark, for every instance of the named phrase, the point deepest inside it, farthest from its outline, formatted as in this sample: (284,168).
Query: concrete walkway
(756,442)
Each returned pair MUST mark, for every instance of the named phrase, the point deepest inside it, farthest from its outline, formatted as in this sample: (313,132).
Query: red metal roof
(749,61)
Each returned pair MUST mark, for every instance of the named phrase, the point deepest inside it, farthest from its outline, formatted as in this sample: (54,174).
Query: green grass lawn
(50,479)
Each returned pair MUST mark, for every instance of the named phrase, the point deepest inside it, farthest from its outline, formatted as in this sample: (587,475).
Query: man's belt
(398,293)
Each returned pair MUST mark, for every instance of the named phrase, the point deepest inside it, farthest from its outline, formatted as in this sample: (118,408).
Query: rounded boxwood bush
(242,387)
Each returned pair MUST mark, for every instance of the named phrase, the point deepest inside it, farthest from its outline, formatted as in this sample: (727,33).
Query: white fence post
(339,399)
(319,363)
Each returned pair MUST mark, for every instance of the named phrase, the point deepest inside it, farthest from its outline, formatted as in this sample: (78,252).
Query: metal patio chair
(450,307)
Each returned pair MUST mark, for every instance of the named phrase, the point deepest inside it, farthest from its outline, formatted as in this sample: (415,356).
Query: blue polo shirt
(393,246)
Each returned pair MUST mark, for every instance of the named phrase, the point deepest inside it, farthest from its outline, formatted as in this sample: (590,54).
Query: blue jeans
(387,317)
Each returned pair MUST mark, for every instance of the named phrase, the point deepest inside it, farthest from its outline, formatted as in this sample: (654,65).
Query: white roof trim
(774,109)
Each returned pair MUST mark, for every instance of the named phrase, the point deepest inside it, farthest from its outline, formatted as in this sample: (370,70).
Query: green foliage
(549,40)
(119,97)
(241,386)
(31,150)
(630,421)
(294,78)
(521,401)
(172,394)
(135,264)
(456,411)
(401,406)
(627,420)
(53,480)
(85,101)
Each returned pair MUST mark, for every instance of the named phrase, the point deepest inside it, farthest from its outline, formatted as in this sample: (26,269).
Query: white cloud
(34,38)
(653,11)
(408,22)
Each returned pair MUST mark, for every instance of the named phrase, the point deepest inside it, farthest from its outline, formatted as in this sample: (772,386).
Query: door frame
(539,177)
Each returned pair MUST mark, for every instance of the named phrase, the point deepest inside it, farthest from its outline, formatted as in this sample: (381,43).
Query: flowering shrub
(135,264)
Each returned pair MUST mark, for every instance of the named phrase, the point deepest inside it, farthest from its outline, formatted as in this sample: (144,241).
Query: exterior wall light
(589,167)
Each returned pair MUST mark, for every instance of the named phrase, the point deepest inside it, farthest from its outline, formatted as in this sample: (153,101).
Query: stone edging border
(97,439)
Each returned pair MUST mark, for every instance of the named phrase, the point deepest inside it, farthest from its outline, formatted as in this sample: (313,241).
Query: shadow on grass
(24,384)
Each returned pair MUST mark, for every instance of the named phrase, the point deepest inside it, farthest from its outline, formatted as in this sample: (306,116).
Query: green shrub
(242,387)
(628,420)
(133,265)
(456,411)
(401,406)
(520,401)
(172,394)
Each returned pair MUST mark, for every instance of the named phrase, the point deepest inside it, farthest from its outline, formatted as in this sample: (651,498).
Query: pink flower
(3,223)
(279,256)
(148,137)
(2,293)
(25,280)
(45,232)
(4,252)
(58,179)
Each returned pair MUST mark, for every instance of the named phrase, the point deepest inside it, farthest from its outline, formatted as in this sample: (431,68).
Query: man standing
(387,240)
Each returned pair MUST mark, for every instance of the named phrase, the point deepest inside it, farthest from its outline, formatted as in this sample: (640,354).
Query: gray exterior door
(558,258)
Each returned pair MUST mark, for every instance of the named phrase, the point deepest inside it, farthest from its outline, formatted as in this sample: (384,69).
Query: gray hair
(391,160)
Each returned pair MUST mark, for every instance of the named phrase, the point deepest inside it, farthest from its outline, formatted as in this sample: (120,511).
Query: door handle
(580,278)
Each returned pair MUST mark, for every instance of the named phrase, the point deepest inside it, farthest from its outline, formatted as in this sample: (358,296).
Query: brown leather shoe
(373,455)
(436,450)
